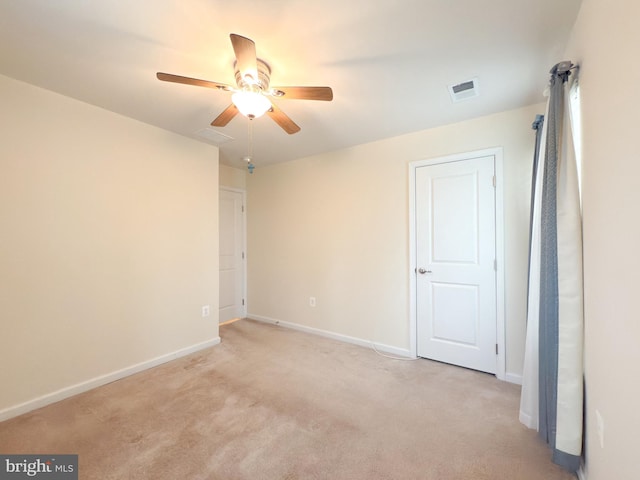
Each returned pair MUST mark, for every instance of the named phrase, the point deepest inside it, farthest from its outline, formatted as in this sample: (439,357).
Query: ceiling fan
(252,91)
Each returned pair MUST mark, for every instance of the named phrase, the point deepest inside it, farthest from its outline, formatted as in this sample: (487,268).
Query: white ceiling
(389,62)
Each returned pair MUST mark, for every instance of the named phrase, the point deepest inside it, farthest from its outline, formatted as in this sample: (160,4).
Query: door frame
(497,153)
(244,244)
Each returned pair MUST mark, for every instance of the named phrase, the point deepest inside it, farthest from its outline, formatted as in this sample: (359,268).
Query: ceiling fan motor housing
(264,76)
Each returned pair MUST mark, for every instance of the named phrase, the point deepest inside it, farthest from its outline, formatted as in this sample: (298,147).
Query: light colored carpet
(272,403)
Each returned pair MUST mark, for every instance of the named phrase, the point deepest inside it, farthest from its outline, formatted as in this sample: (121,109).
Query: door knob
(422,271)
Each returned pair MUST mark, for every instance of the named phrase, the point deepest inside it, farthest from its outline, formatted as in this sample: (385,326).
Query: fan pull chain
(251,166)
(250,139)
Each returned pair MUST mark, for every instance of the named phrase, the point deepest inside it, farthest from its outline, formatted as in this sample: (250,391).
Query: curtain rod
(537,122)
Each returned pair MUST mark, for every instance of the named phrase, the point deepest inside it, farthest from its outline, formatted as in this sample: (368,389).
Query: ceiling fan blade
(168,77)
(226,116)
(303,93)
(283,120)
(247,63)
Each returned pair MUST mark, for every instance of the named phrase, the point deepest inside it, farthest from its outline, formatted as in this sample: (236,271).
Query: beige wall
(108,247)
(232,177)
(336,227)
(605,42)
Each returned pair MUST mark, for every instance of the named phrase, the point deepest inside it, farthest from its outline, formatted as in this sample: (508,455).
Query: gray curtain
(559,310)
(548,337)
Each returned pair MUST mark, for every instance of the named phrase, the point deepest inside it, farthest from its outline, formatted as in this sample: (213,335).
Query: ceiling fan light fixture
(251,102)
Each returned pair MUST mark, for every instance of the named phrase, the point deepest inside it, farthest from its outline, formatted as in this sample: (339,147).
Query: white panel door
(455,255)
(231,255)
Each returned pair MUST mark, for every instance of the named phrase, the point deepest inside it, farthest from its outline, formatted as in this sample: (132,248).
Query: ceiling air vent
(213,136)
(464,90)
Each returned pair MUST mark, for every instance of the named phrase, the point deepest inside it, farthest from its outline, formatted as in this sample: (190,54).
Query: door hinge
(243,205)
(496,345)
(494,181)
(243,255)
(495,265)
(243,306)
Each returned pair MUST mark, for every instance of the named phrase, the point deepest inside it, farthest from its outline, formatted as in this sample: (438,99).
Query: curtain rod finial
(562,67)
(537,122)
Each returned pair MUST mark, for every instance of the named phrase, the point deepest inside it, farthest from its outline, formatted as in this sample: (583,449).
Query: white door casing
(457,300)
(232,254)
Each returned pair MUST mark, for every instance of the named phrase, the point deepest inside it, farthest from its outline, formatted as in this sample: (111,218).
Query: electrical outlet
(312,301)
(206,310)
(600,428)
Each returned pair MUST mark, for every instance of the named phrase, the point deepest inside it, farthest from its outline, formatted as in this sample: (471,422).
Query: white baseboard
(401,352)
(513,378)
(527,421)
(67,392)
